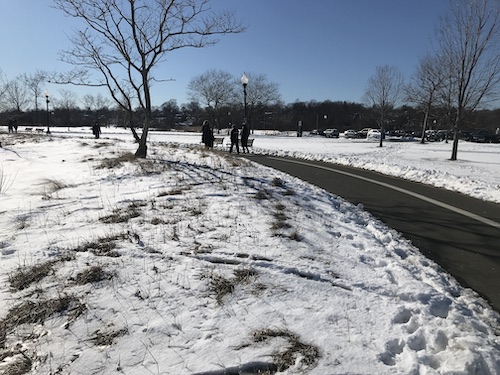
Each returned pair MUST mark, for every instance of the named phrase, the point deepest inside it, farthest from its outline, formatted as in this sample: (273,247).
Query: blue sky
(315,50)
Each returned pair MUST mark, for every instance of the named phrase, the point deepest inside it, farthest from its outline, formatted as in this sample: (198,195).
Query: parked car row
(328,133)
(350,133)
(356,134)
(482,135)
(363,133)
(438,135)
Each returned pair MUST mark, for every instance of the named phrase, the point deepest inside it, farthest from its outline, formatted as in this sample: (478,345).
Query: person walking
(245,133)
(207,134)
(234,139)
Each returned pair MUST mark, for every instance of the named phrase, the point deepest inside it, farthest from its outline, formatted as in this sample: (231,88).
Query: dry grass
(293,350)
(22,222)
(51,186)
(107,338)
(110,163)
(93,275)
(19,364)
(37,312)
(24,277)
(31,313)
(122,215)
(261,195)
(221,286)
(278,182)
(5,181)
(104,246)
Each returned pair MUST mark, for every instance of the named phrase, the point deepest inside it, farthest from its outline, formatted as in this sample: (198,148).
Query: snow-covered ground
(200,262)
(475,173)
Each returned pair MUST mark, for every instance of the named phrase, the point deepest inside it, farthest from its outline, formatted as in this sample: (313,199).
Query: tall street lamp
(244,82)
(47,101)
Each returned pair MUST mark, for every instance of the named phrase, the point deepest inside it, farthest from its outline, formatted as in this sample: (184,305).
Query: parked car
(331,133)
(316,132)
(350,134)
(363,132)
(465,135)
(438,135)
(373,134)
(484,136)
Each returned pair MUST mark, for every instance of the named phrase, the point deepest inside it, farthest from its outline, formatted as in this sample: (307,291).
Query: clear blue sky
(315,50)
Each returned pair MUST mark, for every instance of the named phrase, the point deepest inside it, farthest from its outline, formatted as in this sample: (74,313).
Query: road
(460,233)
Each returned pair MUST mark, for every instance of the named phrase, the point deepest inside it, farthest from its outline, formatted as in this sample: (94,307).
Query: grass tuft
(104,246)
(261,195)
(26,276)
(294,350)
(52,186)
(122,215)
(19,363)
(93,275)
(107,338)
(5,181)
(30,312)
(221,286)
(278,182)
(111,163)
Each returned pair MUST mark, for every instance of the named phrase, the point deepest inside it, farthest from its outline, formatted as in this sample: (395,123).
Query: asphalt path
(460,233)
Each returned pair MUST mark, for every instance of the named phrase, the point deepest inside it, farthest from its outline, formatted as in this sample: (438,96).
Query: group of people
(13,125)
(207,137)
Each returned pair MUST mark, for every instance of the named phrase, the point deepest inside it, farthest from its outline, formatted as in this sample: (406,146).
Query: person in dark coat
(245,133)
(207,134)
(96,130)
(234,139)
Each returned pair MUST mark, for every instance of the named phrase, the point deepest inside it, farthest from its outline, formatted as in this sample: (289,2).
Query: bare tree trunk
(131,125)
(382,130)
(456,131)
(424,125)
(454,151)
(142,150)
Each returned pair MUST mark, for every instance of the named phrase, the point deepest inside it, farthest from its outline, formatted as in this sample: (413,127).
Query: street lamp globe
(244,80)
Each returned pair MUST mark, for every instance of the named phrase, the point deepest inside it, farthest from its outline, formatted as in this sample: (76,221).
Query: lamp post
(47,101)
(244,82)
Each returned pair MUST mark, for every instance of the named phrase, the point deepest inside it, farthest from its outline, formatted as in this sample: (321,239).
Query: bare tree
(3,89)
(214,89)
(383,92)
(126,39)
(425,85)
(33,83)
(67,100)
(95,102)
(469,39)
(260,93)
(66,103)
(16,94)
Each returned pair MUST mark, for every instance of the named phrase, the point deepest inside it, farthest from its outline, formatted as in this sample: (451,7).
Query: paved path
(460,233)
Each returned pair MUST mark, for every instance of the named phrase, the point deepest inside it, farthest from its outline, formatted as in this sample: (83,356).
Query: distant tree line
(70,111)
